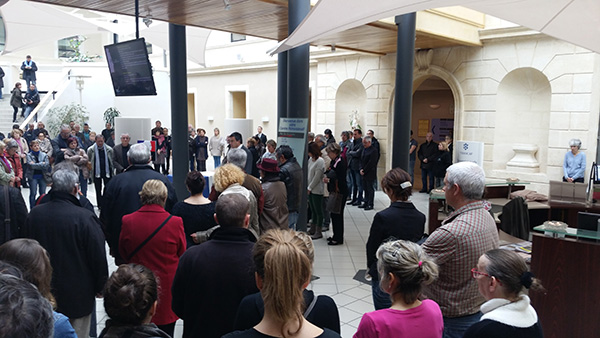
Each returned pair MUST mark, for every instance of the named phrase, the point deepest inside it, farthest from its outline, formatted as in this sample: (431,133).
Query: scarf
(28,63)
(97,170)
(7,166)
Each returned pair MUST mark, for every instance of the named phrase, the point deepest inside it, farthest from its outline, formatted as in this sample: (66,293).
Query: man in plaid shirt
(465,235)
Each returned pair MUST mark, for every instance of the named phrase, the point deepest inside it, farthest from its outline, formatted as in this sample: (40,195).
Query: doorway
(432,111)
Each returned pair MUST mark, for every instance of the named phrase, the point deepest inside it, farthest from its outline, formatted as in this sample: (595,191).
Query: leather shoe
(423,191)
(362,206)
(356,203)
(351,203)
(332,242)
(369,207)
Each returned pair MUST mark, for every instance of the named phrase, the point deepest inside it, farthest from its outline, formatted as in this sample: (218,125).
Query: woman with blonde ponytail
(403,269)
(283,270)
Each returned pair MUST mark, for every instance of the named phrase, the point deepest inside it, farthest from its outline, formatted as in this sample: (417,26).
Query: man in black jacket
(17,212)
(213,278)
(122,195)
(368,171)
(73,237)
(120,154)
(290,173)
(426,153)
(354,154)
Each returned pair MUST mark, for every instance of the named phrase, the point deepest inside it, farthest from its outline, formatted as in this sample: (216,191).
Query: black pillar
(297,91)
(282,78)
(405,52)
(179,118)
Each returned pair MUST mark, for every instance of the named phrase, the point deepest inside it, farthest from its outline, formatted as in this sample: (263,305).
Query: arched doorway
(351,96)
(432,111)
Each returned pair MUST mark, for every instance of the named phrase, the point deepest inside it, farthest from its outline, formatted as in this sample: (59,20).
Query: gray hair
(237,157)
(575,142)
(11,143)
(367,139)
(64,127)
(64,181)
(320,138)
(125,135)
(311,135)
(469,177)
(138,154)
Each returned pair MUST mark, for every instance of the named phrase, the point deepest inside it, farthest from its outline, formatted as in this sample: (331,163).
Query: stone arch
(522,118)
(351,95)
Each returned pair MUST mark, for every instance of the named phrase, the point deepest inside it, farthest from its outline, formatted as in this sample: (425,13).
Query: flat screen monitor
(130,68)
(587,221)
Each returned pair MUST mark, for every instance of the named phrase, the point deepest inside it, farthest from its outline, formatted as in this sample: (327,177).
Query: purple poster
(441,127)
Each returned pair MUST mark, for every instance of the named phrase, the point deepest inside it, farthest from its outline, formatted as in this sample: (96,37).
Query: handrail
(45,100)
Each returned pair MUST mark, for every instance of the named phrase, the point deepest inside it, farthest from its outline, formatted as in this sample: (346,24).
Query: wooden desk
(567,212)
(569,270)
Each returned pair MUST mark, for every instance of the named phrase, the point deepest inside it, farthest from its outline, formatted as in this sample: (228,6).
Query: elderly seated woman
(574,165)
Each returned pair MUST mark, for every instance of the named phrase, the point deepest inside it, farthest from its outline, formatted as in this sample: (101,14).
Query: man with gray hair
(456,246)
(120,153)
(73,237)
(122,194)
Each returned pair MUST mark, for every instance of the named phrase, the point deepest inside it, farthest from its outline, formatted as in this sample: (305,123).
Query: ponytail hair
(409,264)
(281,260)
(510,269)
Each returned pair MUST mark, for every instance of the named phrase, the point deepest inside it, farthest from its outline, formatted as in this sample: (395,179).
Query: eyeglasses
(475,273)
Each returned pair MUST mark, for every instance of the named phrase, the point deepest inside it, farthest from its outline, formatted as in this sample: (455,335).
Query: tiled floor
(334,265)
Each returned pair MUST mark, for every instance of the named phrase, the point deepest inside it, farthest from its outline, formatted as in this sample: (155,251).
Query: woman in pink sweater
(403,269)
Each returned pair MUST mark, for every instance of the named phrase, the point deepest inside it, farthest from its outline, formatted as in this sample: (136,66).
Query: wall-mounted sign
(423,128)
(469,151)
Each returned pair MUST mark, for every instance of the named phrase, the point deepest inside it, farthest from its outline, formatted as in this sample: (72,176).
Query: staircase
(6,115)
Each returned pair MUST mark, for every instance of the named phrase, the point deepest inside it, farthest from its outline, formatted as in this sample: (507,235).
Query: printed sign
(292,132)
(469,151)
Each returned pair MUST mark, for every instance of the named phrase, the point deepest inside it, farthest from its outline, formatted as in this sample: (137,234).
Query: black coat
(211,281)
(290,173)
(354,154)
(122,198)
(337,176)
(443,160)
(17,211)
(368,163)
(263,138)
(73,237)
(400,220)
(29,73)
(120,165)
(1,77)
(427,150)
(59,143)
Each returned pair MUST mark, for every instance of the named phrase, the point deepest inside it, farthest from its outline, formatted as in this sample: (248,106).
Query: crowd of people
(232,264)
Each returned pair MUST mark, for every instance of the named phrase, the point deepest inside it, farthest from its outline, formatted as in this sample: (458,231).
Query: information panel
(292,132)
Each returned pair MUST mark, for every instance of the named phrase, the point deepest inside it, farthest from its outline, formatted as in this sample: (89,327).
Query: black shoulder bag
(7,232)
(148,239)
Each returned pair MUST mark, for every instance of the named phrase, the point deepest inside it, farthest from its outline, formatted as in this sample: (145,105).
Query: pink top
(423,321)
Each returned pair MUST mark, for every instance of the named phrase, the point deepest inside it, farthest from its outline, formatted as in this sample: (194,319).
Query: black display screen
(130,68)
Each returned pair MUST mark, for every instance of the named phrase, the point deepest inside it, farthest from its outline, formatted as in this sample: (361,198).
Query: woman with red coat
(12,154)
(155,239)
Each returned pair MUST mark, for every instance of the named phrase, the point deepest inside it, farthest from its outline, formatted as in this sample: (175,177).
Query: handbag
(148,239)
(335,201)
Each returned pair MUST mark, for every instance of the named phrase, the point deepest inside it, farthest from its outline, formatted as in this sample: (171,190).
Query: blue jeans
(381,300)
(82,184)
(36,184)
(411,171)
(424,174)
(357,189)
(292,219)
(217,160)
(28,110)
(192,163)
(457,326)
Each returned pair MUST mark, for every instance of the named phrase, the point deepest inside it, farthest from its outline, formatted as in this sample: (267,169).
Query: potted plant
(110,114)
(65,114)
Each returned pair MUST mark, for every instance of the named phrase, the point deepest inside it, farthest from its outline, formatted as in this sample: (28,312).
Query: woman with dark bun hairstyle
(501,276)
(130,300)
(401,220)
(403,270)
(283,270)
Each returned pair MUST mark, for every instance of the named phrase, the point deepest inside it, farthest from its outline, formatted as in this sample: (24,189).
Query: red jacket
(161,254)
(15,162)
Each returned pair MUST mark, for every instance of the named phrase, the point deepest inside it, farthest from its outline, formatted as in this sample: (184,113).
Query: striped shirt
(456,246)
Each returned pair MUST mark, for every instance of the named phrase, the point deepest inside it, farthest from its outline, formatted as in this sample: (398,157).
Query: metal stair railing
(48,101)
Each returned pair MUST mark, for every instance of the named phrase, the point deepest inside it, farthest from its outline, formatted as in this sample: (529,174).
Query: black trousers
(369,187)
(99,191)
(337,223)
